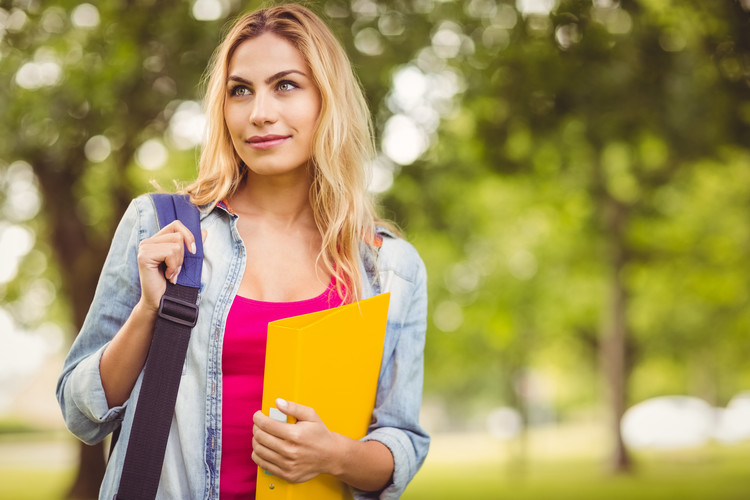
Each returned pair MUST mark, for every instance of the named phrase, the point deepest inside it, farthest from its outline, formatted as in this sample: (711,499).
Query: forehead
(266,55)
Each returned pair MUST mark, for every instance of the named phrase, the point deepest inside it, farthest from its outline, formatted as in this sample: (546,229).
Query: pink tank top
(243,360)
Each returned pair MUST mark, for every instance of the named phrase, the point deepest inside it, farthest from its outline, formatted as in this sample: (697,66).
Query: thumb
(300,412)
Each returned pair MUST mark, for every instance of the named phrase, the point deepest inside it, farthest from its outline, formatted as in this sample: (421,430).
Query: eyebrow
(272,78)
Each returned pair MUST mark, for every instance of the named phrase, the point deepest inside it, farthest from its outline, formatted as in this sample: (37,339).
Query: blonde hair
(342,144)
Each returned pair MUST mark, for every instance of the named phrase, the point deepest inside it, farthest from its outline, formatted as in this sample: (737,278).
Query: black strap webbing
(155,408)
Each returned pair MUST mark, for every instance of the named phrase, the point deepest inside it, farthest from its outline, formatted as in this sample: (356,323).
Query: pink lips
(266,141)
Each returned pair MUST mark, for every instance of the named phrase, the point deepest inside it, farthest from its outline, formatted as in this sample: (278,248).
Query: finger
(269,446)
(277,462)
(261,460)
(175,275)
(155,250)
(286,466)
(268,425)
(260,419)
(174,256)
(170,251)
(298,411)
(179,228)
(204,234)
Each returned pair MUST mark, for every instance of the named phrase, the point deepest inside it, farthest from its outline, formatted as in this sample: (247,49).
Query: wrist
(364,465)
(341,453)
(145,310)
(146,307)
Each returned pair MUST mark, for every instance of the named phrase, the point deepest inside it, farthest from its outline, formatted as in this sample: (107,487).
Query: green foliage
(597,149)
(600,106)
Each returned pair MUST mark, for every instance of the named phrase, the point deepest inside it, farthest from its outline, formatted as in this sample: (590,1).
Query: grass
(36,465)
(34,484)
(708,473)
(473,468)
(581,481)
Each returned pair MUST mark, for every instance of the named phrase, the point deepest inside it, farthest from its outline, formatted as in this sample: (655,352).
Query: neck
(285,201)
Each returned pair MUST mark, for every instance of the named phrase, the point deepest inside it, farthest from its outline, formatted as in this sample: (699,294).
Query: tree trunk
(90,472)
(80,254)
(614,332)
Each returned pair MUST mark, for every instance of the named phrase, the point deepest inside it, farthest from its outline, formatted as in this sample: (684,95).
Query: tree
(603,97)
(83,88)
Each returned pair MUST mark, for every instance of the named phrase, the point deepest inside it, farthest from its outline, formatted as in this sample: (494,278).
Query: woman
(288,228)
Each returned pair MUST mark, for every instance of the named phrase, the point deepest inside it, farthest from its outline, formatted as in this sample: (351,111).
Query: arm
(123,359)
(395,420)
(89,412)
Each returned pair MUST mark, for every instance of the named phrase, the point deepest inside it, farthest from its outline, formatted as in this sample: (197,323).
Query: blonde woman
(288,228)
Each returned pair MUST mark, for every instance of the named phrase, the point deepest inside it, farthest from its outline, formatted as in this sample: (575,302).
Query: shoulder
(398,256)
(138,221)
(402,272)
(143,210)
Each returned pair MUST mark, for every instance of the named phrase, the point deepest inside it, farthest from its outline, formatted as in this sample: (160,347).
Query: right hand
(165,247)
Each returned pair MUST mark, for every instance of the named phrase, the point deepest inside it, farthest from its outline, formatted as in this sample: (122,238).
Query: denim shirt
(193,454)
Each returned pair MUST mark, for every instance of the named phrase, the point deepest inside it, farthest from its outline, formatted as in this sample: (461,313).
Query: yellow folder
(330,361)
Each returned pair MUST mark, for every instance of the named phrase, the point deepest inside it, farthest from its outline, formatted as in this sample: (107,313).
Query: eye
(286,86)
(239,90)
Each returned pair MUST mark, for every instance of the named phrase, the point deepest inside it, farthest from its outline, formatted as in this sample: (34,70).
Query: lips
(266,141)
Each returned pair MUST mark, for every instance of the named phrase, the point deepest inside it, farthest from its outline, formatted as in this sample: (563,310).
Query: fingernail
(280,403)
(193,248)
(174,276)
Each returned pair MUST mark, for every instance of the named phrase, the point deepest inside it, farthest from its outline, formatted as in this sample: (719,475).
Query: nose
(264,109)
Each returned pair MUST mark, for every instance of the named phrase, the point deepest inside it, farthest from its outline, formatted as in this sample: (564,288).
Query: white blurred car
(669,422)
(733,422)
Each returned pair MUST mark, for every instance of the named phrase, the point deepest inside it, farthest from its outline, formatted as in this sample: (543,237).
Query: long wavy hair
(342,142)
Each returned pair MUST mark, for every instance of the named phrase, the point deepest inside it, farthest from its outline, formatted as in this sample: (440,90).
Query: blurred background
(575,174)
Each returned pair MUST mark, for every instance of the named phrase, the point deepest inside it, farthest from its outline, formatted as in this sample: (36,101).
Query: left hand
(295,452)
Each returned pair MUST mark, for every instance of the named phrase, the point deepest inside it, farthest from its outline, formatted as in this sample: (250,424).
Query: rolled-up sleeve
(79,388)
(396,416)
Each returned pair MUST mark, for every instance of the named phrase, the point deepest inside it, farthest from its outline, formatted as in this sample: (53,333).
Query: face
(271,107)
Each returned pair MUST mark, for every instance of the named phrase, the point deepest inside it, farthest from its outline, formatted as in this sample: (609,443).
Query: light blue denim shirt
(193,454)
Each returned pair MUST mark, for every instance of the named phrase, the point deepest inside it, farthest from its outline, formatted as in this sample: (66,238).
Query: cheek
(231,119)
(309,117)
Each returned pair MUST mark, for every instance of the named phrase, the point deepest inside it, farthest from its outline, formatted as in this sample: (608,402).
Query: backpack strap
(171,207)
(177,315)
